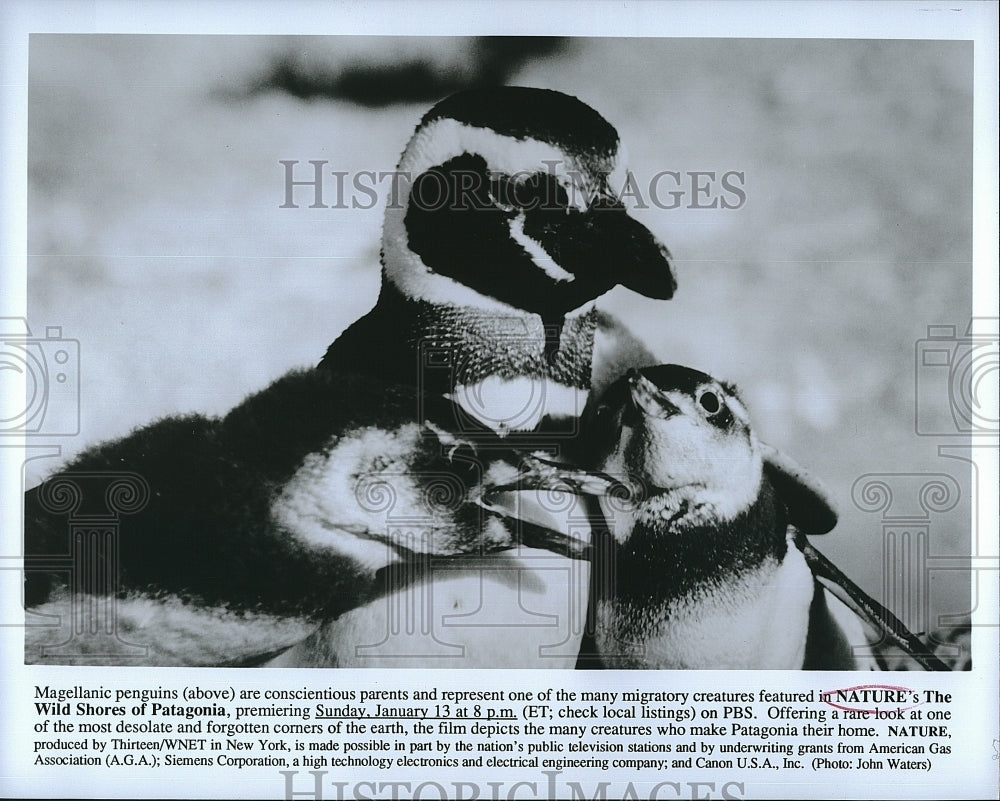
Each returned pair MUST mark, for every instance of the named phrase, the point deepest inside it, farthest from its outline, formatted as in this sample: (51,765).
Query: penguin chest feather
(758,620)
(302,499)
(507,610)
(519,404)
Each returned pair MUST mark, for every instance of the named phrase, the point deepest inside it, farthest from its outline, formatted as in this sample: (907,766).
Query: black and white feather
(705,562)
(258,527)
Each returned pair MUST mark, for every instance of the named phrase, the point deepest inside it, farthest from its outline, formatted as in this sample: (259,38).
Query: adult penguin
(506,227)
(484,328)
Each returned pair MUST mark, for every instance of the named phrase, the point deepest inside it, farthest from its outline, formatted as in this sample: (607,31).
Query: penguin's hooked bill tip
(649,398)
(651,274)
(648,265)
(610,240)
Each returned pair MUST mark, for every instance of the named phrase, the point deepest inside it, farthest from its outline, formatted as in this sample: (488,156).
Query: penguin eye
(716,410)
(710,402)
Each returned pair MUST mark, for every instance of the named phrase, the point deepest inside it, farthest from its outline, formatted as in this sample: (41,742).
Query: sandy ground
(156,237)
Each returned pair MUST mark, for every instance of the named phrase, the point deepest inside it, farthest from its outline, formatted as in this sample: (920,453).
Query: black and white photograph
(641,385)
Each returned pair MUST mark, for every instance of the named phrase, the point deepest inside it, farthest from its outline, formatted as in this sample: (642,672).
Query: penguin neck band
(445,346)
(670,559)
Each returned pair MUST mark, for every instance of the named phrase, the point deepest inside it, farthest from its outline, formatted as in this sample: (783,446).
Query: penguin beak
(648,398)
(642,262)
(604,246)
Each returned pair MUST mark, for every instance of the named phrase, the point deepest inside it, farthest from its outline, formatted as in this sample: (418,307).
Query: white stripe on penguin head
(437,143)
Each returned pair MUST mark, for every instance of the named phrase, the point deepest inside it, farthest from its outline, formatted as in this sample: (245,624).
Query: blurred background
(157,240)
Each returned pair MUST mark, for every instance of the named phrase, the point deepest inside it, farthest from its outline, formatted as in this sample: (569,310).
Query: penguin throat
(686,555)
(438,347)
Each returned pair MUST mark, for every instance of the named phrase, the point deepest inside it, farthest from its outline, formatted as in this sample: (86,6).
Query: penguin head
(510,202)
(682,446)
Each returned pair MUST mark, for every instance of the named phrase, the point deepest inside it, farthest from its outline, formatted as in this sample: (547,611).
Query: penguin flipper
(152,481)
(834,632)
(885,623)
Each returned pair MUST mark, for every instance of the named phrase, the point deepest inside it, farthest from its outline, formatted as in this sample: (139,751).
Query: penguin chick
(705,554)
(507,228)
(704,574)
